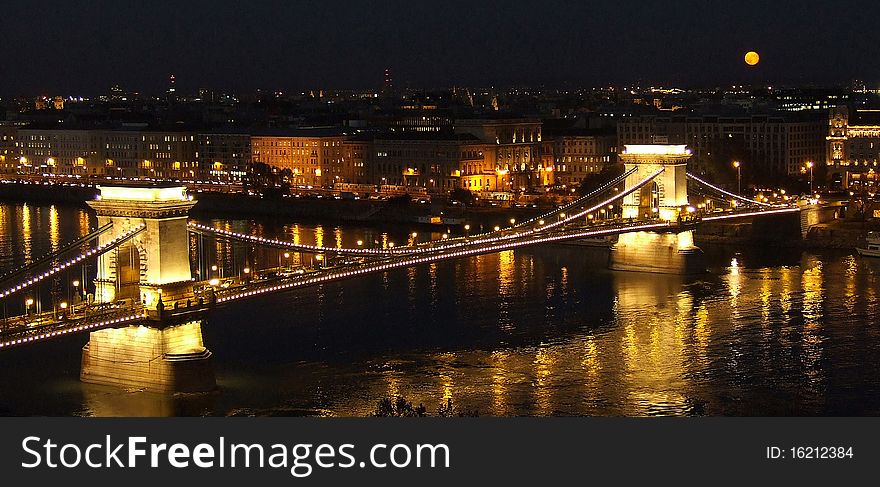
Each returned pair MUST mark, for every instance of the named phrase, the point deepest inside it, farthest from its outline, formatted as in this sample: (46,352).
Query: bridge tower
(149,270)
(662,199)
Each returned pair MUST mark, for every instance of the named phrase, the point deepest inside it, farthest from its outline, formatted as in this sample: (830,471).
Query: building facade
(313,157)
(769,146)
(131,153)
(435,162)
(224,156)
(515,148)
(581,153)
(853,148)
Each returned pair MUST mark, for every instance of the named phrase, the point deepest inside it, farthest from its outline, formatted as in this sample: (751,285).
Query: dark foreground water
(544,331)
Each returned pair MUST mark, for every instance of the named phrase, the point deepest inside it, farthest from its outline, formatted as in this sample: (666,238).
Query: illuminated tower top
(664,196)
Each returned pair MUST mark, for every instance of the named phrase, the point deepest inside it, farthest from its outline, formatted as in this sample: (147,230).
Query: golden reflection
(296,231)
(5,235)
(544,362)
(319,236)
(850,294)
(447,367)
(506,284)
(734,280)
(702,334)
(337,234)
(54,228)
(655,365)
(84,226)
(812,284)
(766,294)
(506,268)
(590,362)
(26,232)
(392,380)
(500,377)
(432,276)
(563,281)
(412,274)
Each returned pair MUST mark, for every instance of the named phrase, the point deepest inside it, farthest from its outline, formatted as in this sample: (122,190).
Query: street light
(737,165)
(810,166)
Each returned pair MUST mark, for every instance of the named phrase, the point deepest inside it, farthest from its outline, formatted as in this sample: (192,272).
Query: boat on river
(872,247)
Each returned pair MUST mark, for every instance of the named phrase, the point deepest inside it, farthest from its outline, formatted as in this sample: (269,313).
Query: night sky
(66,47)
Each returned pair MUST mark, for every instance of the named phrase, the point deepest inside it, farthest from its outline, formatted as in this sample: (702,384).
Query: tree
(463,195)
(595,181)
(399,408)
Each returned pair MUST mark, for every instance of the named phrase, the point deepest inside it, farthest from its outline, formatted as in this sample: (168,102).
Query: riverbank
(784,231)
(312,208)
(358,211)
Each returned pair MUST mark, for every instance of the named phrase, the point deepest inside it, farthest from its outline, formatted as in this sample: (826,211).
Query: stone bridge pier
(156,355)
(665,198)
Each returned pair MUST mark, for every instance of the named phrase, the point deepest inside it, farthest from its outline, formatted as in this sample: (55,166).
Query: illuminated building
(794,100)
(8,154)
(853,148)
(168,155)
(313,157)
(122,153)
(224,156)
(435,162)
(579,152)
(69,152)
(354,157)
(769,145)
(515,147)
(418,118)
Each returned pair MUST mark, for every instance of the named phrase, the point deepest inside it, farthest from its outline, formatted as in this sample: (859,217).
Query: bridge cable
(55,254)
(97,251)
(728,193)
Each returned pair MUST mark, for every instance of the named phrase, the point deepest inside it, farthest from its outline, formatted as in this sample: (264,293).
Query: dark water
(544,331)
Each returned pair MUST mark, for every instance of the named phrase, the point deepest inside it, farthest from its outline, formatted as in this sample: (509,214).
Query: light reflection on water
(544,331)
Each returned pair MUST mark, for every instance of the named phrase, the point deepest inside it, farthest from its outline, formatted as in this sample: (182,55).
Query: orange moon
(752,58)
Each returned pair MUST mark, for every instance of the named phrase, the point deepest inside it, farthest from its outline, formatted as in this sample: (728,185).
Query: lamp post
(810,166)
(737,165)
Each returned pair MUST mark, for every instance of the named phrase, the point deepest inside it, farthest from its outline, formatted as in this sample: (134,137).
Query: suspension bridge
(145,317)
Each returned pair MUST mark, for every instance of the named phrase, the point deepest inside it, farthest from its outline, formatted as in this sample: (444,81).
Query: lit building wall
(67,152)
(354,157)
(517,148)
(115,153)
(853,148)
(768,145)
(436,164)
(311,160)
(169,155)
(8,153)
(578,156)
(224,156)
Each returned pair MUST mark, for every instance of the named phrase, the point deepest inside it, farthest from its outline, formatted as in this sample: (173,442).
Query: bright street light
(736,164)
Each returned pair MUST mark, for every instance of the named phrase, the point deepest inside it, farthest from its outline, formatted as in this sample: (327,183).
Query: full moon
(752,58)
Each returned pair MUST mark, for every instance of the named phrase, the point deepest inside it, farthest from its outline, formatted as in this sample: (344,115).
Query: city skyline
(279,46)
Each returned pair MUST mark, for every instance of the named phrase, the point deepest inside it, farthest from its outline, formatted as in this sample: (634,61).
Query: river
(545,331)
